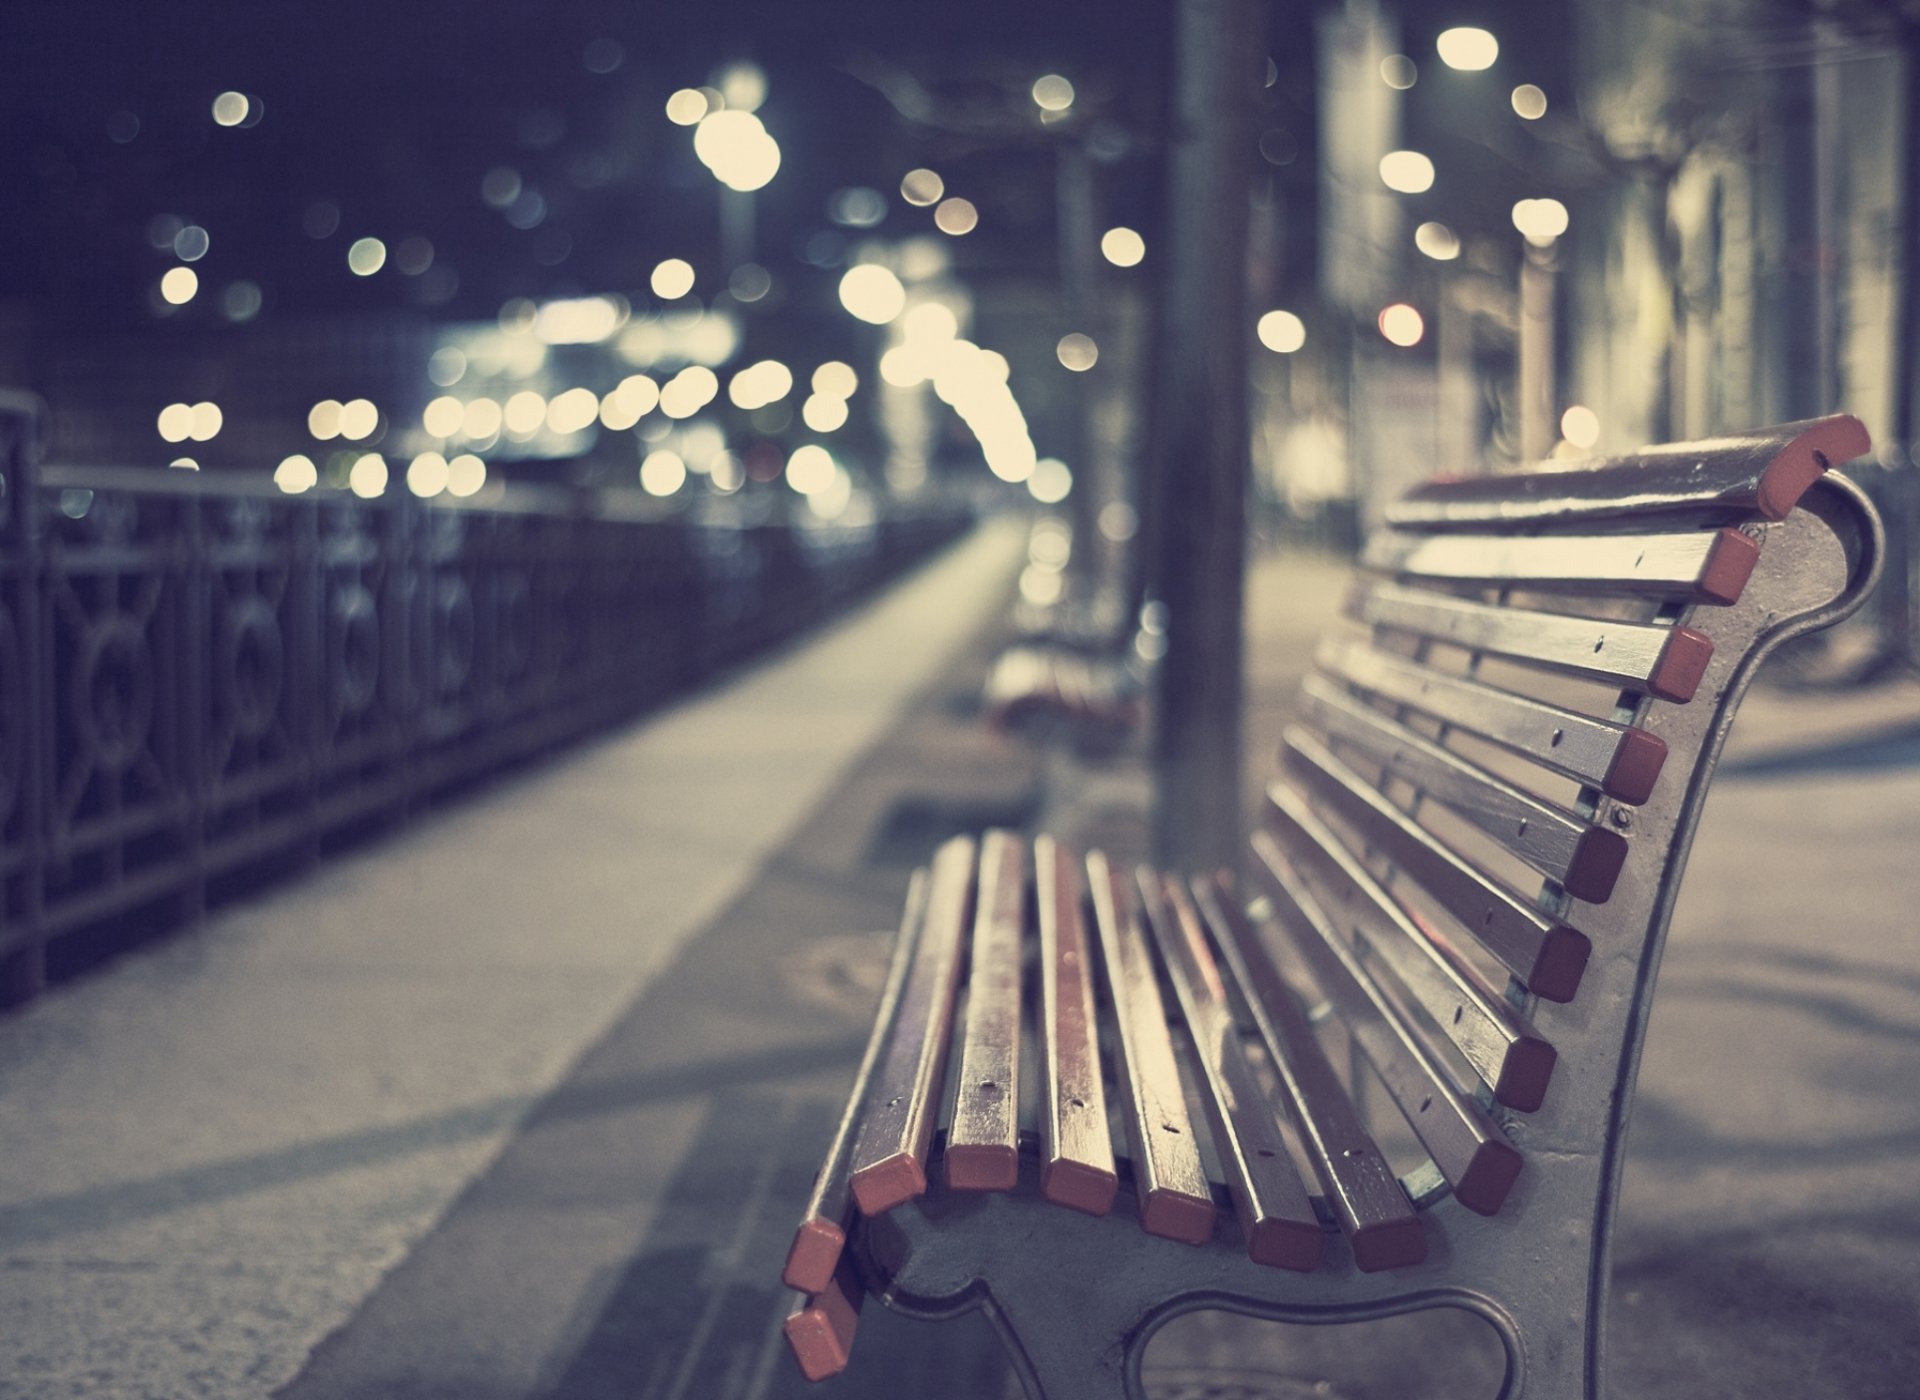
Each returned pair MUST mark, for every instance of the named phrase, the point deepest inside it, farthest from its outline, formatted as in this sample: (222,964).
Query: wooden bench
(1390,1067)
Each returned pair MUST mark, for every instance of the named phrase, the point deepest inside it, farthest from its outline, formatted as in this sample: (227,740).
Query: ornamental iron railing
(205,682)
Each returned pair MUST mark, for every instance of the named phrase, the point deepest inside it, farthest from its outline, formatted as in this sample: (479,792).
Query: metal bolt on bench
(1463,875)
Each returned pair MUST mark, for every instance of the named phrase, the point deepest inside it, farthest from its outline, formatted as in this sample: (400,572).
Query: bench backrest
(1476,840)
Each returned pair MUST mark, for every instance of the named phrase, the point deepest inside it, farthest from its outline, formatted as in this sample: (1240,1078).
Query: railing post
(23,703)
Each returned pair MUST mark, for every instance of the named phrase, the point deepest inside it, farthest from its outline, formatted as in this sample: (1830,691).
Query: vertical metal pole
(1203,464)
(1536,388)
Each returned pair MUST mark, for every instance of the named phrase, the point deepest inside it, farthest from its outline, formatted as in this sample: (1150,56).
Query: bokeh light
(956,217)
(1052,93)
(672,279)
(466,474)
(1437,241)
(179,285)
(922,187)
(368,476)
(296,474)
(1077,352)
(1397,72)
(1281,331)
(1468,49)
(1529,102)
(366,257)
(1406,172)
(427,475)
(1402,325)
(1580,426)
(872,293)
(662,473)
(1122,247)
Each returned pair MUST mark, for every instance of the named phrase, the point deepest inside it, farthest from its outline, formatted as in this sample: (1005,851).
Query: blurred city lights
(1580,426)
(922,187)
(176,422)
(760,384)
(178,285)
(1077,351)
(1050,482)
(524,414)
(500,186)
(662,473)
(446,366)
(631,400)
(1529,102)
(296,474)
(1402,325)
(1437,241)
(726,474)
(1122,247)
(1406,172)
(1397,71)
(191,243)
(930,324)
(427,474)
(672,279)
(466,474)
(830,502)
(686,107)
(835,379)
(368,478)
(810,469)
(584,320)
(956,216)
(442,417)
(902,368)
(823,413)
(366,257)
(1052,93)
(736,147)
(230,108)
(358,419)
(323,419)
(241,301)
(1281,331)
(857,207)
(749,282)
(482,419)
(1468,49)
(207,420)
(872,293)
(573,411)
(184,464)
(689,391)
(1540,220)
(744,86)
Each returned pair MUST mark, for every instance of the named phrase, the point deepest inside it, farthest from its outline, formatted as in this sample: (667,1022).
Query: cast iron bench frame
(1741,543)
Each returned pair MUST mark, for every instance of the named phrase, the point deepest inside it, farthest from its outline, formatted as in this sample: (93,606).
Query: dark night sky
(396,112)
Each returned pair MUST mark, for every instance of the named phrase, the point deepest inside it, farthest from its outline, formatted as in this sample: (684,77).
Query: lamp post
(1541,222)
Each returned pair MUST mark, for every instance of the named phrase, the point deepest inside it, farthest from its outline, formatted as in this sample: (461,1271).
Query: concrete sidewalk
(522,1104)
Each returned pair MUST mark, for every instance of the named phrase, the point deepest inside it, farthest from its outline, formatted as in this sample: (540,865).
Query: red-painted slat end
(1489,1176)
(1596,865)
(1636,767)
(1393,1244)
(1803,461)
(881,1186)
(1079,1187)
(1729,565)
(1287,1244)
(1524,1074)
(813,1256)
(982,1167)
(1682,666)
(1173,1215)
(820,1334)
(1562,961)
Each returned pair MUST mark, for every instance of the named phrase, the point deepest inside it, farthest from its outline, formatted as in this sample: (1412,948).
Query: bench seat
(1388,1063)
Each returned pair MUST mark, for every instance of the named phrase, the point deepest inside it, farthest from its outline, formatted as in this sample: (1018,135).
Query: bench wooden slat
(1465,1144)
(1502,1049)
(821,1234)
(1175,1199)
(890,1156)
(1620,760)
(1744,475)
(1542,952)
(820,1328)
(1076,1151)
(1276,1217)
(1380,1223)
(1667,662)
(983,1142)
(1585,859)
(1706,566)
